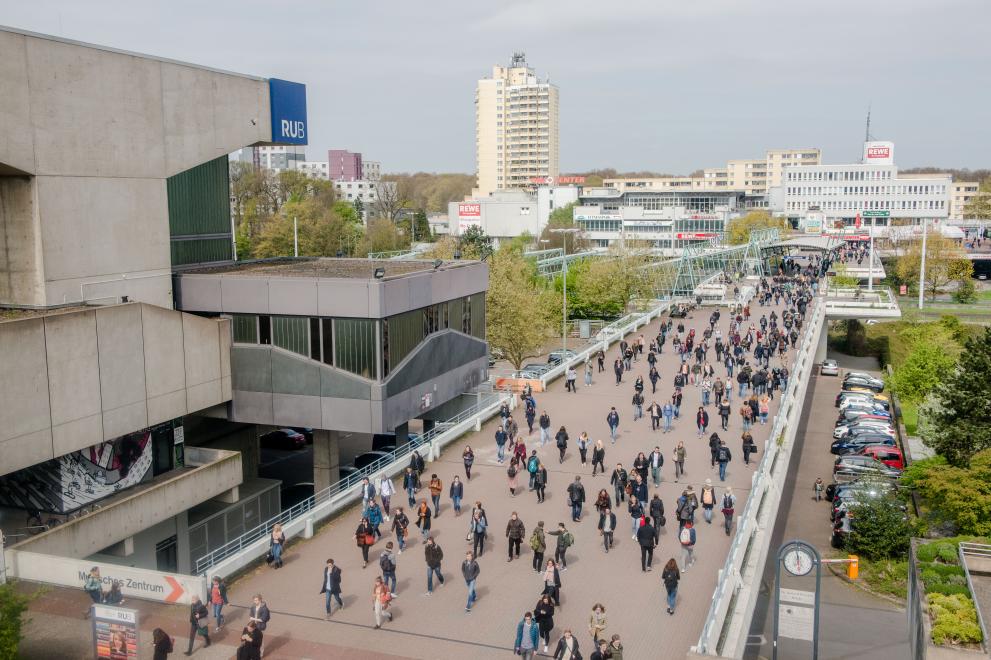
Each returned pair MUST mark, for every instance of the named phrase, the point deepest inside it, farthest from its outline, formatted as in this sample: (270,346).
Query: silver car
(829,368)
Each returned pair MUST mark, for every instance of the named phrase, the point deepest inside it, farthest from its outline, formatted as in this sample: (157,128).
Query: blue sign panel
(288,101)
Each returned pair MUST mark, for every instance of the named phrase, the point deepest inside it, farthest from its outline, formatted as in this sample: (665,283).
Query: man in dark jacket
(331,585)
(723,457)
(576,496)
(470,571)
(618,481)
(515,531)
(607,527)
(198,623)
(545,428)
(612,419)
(656,509)
(433,555)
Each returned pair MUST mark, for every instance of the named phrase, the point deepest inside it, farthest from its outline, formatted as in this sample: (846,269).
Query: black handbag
(269,558)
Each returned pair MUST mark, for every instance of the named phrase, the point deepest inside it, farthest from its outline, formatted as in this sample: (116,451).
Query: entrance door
(167,554)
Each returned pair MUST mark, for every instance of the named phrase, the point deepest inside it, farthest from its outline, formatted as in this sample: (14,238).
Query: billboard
(694,237)
(560,180)
(115,633)
(470,210)
(288,103)
(879,153)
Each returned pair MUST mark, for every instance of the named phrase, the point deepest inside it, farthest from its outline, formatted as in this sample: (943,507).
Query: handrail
(983,551)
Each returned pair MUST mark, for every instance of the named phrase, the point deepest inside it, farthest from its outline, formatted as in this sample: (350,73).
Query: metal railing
(768,481)
(881,298)
(980,551)
(390,254)
(489,401)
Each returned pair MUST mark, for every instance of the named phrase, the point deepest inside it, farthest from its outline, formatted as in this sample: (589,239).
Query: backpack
(532,464)
(536,542)
(511,471)
(708,496)
(723,454)
(386,564)
(727,502)
(686,536)
(567,539)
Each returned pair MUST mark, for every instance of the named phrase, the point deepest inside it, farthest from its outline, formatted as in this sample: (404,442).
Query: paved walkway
(437,627)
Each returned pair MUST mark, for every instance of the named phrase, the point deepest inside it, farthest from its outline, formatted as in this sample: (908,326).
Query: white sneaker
(545,648)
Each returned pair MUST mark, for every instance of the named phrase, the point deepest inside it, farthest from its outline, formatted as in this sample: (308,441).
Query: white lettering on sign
(293,129)
(115,614)
(469,210)
(798,596)
(878,152)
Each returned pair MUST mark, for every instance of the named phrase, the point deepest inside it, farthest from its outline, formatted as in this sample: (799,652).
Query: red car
(283,439)
(890,456)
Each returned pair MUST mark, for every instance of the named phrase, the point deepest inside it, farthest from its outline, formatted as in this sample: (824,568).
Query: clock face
(798,561)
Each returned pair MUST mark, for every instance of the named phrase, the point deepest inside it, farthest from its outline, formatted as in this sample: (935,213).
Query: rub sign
(288,103)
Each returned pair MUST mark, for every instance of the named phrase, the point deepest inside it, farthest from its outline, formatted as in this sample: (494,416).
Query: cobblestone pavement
(437,626)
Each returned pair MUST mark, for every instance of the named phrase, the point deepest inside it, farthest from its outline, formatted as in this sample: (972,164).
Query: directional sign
(876,214)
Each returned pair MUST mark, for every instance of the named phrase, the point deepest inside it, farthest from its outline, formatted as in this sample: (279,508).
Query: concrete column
(821,348)
(184,563)
(326,459)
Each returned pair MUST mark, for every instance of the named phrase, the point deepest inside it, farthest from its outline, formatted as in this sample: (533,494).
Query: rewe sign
(469,210)
(878,152)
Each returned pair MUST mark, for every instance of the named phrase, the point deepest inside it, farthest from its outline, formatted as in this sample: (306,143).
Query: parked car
(282,439)
(870,404)
(557,357)
(837,490)
(679,311)
(864,425)
(347,471)
(369,457)
(307,433)
(852,466)
(864,395)
(890,456)
(853,414)
(534,370)
(870,383)
(854,444)
(290,496)
(829,368)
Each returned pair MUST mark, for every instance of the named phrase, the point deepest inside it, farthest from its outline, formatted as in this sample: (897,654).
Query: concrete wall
(100,131)
(76,379)
(239,292)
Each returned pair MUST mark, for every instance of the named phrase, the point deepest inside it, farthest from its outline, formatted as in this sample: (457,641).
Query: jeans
(728,522)
(401,538)
(500,454)
(672,597)
(722,470)
(545,436)
(588,377)
(763,418)
(620,493)
(330,596)
(746,424)
(471,594)
(646,557)
(636,525)
(607,539)
(655,474)
(430,577)
(410,492)
(576,511)
(705,397)
(389,577)
(217,612)
(527,654)
(436,499)
(707,514)
(677,412)
(637,412)
(687,556)
(612,433)
(667,423)
(743,388)
(277,554)
(655,423)
(457,504)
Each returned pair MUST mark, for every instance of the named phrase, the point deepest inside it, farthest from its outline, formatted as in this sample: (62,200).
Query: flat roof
(327,267)
(18,313)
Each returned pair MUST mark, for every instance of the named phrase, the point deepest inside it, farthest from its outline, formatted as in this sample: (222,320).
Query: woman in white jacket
(386,491)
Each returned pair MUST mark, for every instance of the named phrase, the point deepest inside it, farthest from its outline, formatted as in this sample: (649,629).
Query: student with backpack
(576,496)
(564,541)
(708,498)
(387,562)
(723,457)
(538,544)
(729,503)
(687,539)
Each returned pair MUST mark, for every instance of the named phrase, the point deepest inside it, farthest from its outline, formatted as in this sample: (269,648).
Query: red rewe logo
(878,152)
(469,210)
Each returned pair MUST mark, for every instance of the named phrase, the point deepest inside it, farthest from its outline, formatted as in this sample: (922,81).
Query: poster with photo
(115,633)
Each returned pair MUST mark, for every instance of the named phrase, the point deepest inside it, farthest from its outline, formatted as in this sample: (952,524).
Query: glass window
(477,320)
(354,340)
(400,335)
(291,333)
(315,338)
(245,328)
(328,340)
(264,330)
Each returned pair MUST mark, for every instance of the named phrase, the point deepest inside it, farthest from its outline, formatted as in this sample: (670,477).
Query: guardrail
(880,299)
(735,597)
(331,498)
(979,551)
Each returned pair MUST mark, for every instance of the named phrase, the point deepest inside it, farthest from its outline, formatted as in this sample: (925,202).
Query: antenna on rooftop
(867,130)
(519,59)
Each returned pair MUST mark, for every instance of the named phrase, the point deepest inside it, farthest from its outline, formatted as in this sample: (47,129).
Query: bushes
(954,619)
(887,577)
(946,551)
(879,529)
(12,607)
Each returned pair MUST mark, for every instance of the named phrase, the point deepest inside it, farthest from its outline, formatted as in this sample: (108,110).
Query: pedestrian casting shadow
(275,643)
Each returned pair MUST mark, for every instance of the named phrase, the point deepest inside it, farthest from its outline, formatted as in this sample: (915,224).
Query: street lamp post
(564,298)
(922,266)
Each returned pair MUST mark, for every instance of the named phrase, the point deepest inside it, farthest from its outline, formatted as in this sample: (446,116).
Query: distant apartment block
(344,165)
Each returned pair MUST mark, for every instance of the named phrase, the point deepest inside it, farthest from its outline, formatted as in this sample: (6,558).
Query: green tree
(878,529)
(321,232)
(958,496)
(359,208)
(926,366)
(738,230)
(979,206)
(347,212)
(946,262)
(843,277)
(518,307)
(965,293)
(382,235)
(13,604)
(562,218)
(956,423)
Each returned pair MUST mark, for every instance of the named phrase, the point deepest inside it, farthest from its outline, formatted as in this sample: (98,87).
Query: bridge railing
(735,599)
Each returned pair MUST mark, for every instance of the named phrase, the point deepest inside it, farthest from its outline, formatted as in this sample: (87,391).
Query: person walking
(588,372)
(702,420)
(607,526)
(470,572)
(618,481)
(476,532)
(162,644)
(501,437)
(526,637)
(670,578)
(653,375)
(433,555)
(468,456)
(567,646)
(529,414)
(576,496)
(729,504)
(636,514)
(723,457)
(656,462)
(676,398)
(218,598)
(647,538)
(641,466)
(818,488)
(540,482)
(667,411)
(386,491)
(564,541)
(367,492)
(543,614)
(531,466)
(597,622)
(331,586)
(708,499)
(599,457)
(552,582)
(387,562)
(572,380)
(381,598)
(515,531)
(513,475)
(260,615)
(545,428)
(687,539)
(456,493)
(538,544)
(199,623)
(601,650)
(583,443)
(680,453)
(656,508)
(374,515)
(617,368)
(724,413)
(276,543)
(749,446)
(400,528)
(436,488)
(612,419)
(561,440)
(423,518)
(600,358)
(654,410)
(637,406)
(364,536)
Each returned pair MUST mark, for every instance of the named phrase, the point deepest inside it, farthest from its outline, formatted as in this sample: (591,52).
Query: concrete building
(516,128)
(506,214)
(961,192)
(344,165)
(871,190)
(366,191)
(114,176)
(371,170)
(314,169)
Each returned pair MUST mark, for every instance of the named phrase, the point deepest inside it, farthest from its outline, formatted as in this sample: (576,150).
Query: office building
(314,169)
(506,214)
(344,165)
(371,170)
(871,190)
(961,192)
(516,128)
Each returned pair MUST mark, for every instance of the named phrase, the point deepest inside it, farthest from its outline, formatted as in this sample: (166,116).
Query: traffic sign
(876,214)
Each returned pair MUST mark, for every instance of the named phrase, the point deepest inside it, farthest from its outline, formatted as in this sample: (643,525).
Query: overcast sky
(662,85)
